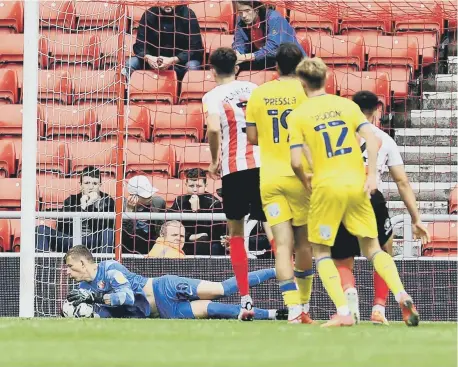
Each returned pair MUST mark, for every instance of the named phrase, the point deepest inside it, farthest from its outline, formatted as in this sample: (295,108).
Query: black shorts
(242,195)
(346,245)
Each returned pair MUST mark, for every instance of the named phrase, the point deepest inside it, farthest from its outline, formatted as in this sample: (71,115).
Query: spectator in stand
(202,238)
(170,243)
(139,234)
(96,234)
(258,34)
(168,37)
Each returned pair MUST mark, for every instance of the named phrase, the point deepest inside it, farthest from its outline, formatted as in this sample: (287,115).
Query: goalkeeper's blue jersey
(125,289)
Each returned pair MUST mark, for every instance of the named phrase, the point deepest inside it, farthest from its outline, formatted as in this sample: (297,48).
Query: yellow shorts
(331,205)
(283,199)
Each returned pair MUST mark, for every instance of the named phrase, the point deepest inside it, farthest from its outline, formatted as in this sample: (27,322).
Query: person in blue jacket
(258,34)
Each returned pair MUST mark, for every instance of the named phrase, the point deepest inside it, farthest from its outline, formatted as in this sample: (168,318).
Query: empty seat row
(443,239)
(68,159)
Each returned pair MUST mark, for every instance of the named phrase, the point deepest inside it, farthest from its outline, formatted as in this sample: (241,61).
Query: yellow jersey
(328,125)
(268,109)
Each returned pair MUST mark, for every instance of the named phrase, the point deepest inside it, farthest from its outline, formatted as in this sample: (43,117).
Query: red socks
(239,262)
(380,290)
(346,277)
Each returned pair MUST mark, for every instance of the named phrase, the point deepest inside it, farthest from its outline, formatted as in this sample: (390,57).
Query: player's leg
(385,237)
(270,236)
(303,270)
(214,310)
(213,290)
(278,214)
(236,206)
(360,221)
(327,207)
(299,203)
(345,248)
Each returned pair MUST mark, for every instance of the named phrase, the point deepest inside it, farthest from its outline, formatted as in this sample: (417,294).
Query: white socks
(306,307)
(379,308)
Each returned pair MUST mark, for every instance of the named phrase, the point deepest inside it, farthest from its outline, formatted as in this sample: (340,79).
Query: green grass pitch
(138,343)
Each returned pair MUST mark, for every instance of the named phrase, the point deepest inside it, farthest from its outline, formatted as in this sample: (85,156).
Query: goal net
(121,130)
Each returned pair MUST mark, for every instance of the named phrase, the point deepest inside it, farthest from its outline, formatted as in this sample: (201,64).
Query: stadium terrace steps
(425,207)
(433,118)
(429,155)
(440,100)
(453,65)
(427,173)
(426,137)
(446,82)
(424,191)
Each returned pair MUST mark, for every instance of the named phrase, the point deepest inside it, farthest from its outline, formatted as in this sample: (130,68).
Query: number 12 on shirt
(327,140)
(276,121)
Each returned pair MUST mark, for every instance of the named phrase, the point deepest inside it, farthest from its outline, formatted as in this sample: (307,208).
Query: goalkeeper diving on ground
(115,292)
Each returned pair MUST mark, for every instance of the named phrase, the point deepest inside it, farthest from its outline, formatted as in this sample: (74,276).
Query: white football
(84,310)
(68,310)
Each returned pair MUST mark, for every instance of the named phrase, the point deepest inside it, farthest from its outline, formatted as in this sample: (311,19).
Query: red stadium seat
(147,86)
(12,16)
(16,229)
(195,84)
(214,186)
(194,156)
(415,15)
(6,235)
(397,56)
(8,86)
(443,239)
(101,155)
(10,194)
(11,122)
(331,83)
(301,20)
(427,45)
(12,50)
(215,15)
(339,51)
(53,191)
(282,11)
(135,14)
(70,123)
(212,41)
(7,159)
(453,201)
(376,82)
(82,48)
(151,159)
(57,14)
(258,77)
(52,158)
(110,47)
(55,86)
(169,188)
(177,123)
(95,14)
(138,122)
(96,85)
(364,16)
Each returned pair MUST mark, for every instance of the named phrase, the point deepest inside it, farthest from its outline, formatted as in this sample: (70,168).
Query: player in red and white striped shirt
(237,160)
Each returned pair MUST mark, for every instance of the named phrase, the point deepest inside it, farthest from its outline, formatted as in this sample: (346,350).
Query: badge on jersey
(101,285)
(273,210)
(120,278)
(325,232)
(388,226)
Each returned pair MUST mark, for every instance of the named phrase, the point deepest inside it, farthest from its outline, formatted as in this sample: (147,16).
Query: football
(83,310)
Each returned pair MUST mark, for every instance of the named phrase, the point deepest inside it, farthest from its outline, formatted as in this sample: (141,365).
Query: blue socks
(226,311)
(254,278)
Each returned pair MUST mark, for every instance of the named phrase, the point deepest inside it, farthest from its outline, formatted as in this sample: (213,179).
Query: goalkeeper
(115,292)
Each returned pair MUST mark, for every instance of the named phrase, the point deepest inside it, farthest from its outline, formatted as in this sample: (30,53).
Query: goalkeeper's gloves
(78,296)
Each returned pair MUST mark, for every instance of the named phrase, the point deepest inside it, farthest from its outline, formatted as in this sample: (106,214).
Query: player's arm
(122,291)
(298,147)
(213,122)
(398,173)
(251,128)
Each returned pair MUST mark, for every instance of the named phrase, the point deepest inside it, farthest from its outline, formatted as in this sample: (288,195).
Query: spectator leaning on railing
(96,234)
(202,238)
(168,37)
(171,241)
(258,34)
(139,234)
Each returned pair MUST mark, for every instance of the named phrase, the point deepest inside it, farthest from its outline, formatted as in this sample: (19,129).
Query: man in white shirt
(235,159)
(346,245)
